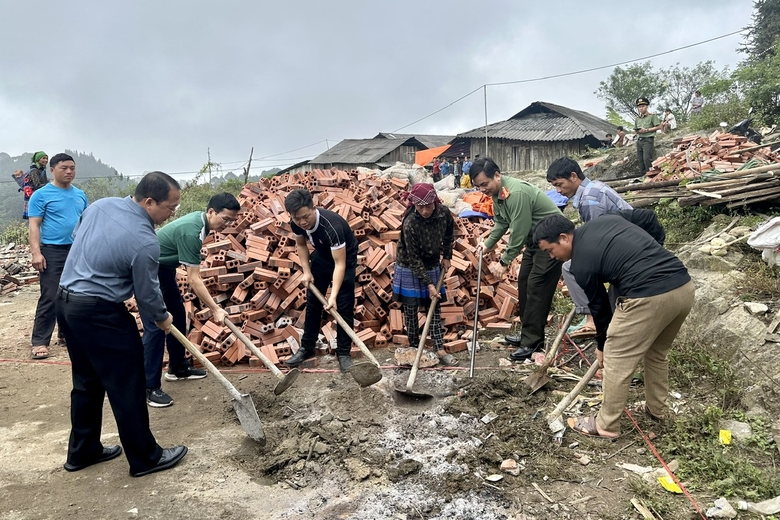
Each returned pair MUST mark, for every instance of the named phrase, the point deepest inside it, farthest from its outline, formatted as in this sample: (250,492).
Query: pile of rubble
(15,268)
(251,269)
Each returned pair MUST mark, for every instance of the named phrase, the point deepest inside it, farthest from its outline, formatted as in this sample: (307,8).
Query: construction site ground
(334,450)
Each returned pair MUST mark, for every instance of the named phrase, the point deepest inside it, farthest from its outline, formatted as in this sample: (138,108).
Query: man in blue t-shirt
(54,211)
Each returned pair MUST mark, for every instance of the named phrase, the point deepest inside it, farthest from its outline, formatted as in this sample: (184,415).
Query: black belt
(78,298)
(644,138)
(57,246)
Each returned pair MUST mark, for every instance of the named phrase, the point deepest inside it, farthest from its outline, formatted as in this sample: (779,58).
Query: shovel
(364,372)
(540,378)
(554,418)
(416,365)
(285,381)
(474,343)
(242,403)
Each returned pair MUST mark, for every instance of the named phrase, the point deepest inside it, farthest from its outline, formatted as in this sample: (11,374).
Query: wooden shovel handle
(333,312)
(256,351)
(426,328)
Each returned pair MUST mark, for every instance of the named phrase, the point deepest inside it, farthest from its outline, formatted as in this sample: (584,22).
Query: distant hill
(87,167)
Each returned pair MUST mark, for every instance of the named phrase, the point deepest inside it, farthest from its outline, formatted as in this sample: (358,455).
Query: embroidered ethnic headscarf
(421,194)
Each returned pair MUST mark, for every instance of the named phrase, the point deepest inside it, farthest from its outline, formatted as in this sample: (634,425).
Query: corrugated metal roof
(362,151)
(542,121)
(430,141)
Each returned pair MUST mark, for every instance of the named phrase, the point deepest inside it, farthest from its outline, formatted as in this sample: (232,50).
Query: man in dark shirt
(333,263)
(655,295)
(114,255)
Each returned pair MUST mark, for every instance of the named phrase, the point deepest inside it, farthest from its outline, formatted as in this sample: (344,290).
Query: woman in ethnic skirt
(424,249)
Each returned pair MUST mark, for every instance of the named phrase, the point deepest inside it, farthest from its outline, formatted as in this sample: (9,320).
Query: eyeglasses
(227,220)
(173,209)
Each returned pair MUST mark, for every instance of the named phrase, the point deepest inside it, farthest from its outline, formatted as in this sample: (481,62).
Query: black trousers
(106,359)
(155,340)
(645,153)
(345,304)
(536,284)
(46,312)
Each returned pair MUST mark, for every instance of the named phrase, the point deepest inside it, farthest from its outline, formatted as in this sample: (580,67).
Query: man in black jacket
(655,295)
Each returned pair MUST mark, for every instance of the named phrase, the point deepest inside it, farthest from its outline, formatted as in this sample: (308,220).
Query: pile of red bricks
(252,270)
(694,154)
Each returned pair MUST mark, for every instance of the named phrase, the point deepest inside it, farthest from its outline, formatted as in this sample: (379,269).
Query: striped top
(594,198)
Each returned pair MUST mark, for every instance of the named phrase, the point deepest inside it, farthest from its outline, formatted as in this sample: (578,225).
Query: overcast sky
(147,85)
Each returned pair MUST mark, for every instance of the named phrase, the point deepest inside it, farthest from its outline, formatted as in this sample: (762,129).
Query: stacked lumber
(718,153)
(252,270)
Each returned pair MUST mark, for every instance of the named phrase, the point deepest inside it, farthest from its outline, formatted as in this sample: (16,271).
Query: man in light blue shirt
(54,210)
(591,199)
(115,255)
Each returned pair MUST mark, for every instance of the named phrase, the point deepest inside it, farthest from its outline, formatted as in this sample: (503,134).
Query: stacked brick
(252,270)
(695,154)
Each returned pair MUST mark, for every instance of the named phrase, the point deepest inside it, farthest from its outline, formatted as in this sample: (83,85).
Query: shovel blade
(287,381)
(247,416)
(537,380)
(365,373)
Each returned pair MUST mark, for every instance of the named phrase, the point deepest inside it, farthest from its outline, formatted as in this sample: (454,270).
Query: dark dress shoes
(298,358)
(522,353)
(170,457)
(109,452)
(514,340)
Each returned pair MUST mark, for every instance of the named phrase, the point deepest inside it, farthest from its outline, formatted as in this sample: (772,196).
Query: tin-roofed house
(536,136)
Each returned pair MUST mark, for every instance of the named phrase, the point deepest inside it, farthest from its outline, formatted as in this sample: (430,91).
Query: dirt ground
(334,450)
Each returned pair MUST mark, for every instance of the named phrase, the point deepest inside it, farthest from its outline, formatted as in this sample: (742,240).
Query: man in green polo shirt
(518,206)
(645,126)
(180,243)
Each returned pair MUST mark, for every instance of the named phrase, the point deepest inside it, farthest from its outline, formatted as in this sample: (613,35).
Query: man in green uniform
(180,243)
(518,206)
(645,127)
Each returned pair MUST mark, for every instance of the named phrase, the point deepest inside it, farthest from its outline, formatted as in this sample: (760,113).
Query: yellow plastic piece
(669,484)
(725,437)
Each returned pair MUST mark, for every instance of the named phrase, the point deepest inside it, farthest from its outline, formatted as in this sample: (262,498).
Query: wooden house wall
(524,155)
(405,154)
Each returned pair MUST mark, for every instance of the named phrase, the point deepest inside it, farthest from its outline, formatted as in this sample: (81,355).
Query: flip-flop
(586,425)
(586,331)
(40,352)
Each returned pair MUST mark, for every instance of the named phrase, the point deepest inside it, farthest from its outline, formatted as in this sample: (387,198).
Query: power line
(542,78)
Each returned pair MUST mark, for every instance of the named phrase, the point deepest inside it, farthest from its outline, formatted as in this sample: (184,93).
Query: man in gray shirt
(115,255)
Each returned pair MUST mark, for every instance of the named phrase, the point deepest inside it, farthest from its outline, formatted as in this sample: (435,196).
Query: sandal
(586,331)
(586,425)
(40,352)
(448,360)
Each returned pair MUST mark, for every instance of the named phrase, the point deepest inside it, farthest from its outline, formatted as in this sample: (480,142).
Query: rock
(719,252)
(510,466)
(721,509)
(740,231)
(495,477)
(326,418)
(406,355)
(739,430)
(503,362)
(756,309)
(320,448)
(405,468)
(718,243)
(584,460)
(357,469)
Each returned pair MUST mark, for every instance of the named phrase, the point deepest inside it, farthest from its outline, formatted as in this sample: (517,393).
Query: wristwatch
(501,261)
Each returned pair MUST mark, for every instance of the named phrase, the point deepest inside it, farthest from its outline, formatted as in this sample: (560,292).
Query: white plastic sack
(447,183)
(767,239)
(767,236)
(449,197)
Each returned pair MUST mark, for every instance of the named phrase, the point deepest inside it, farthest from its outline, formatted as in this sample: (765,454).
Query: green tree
(620,90)
(763,33)
(680,83)
(615,119)
(759,81)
